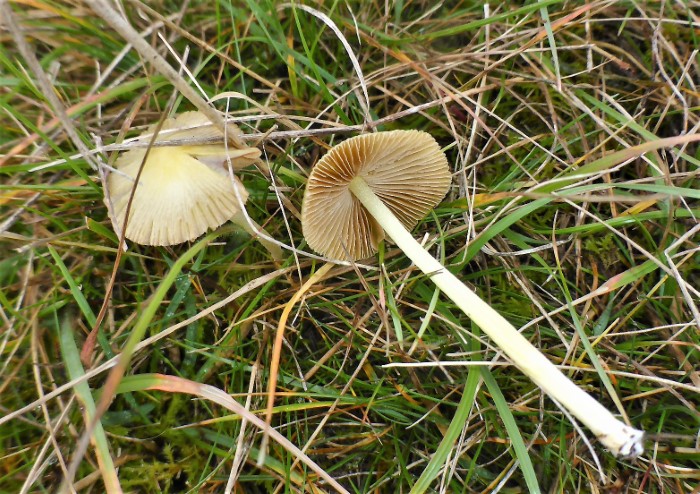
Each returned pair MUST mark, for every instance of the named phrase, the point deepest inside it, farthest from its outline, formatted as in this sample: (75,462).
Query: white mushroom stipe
(621,439)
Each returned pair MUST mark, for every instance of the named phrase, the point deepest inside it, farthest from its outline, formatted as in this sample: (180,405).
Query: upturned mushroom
(385,182)
(183,190)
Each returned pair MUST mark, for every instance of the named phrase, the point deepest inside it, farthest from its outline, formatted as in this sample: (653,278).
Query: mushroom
(182,190)
(384,183)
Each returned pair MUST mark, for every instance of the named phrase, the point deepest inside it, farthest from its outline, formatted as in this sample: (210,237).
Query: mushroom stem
(619,438)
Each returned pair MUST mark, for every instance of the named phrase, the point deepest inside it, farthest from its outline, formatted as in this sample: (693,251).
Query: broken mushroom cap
(183,191)
(405,168)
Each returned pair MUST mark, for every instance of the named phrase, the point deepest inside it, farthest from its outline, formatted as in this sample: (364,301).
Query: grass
(596,258)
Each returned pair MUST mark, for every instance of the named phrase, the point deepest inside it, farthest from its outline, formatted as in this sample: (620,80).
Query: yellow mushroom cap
(406,169)
(183,191)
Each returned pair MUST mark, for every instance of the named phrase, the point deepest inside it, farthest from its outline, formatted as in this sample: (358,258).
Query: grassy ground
(518,97)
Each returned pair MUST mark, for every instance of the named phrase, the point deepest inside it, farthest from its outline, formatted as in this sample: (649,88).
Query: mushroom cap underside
(183,191)
(178,198)
(406,169)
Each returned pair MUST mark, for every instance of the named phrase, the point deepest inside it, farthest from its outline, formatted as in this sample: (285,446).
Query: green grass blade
(516,439)
(74,288)
(437,462)
(613,159)
(71,358)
